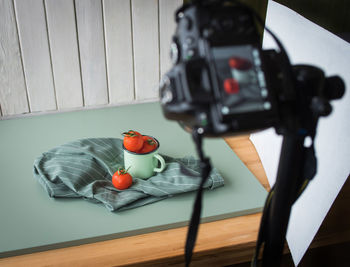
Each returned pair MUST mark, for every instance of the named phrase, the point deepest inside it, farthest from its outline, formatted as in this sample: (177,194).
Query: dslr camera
(223,83)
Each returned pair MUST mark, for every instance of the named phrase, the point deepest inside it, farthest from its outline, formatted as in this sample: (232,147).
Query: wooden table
(219,243)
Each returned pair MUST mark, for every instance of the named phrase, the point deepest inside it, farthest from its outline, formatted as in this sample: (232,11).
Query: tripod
(297,164)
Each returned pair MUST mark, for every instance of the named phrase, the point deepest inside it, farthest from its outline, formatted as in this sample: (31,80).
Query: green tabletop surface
(31,221)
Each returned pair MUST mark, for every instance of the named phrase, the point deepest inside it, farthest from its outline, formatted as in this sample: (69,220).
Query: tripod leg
(285,190)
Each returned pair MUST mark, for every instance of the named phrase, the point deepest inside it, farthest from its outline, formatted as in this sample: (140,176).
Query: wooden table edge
(151,249)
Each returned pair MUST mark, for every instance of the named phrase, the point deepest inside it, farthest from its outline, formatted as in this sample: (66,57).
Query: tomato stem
(130,133)
(122,171)
(151,142)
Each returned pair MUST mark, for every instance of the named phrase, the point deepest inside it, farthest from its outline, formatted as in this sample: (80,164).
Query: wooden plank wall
(72,54)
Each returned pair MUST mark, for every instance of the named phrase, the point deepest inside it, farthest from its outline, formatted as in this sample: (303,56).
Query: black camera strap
(197,207)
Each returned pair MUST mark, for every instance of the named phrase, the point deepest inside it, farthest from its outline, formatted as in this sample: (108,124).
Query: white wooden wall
(58,55)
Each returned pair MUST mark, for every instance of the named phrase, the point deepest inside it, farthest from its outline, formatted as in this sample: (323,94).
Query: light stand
(297,164)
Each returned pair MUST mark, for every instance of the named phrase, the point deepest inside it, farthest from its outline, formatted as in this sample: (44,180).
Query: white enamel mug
(143,165)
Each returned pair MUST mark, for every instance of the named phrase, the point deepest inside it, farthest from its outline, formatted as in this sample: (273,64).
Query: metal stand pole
(285,190)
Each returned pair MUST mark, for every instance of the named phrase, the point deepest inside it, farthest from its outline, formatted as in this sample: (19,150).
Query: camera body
(221,80)
(223,83)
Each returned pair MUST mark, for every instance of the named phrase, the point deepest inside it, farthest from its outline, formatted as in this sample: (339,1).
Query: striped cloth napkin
(84,168)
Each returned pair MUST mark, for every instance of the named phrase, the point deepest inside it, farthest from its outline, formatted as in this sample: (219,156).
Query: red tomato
(121,179)
(133,141)
(149,144)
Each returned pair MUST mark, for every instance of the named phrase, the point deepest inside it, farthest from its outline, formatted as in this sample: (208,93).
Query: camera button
(264,93)
(225,110)
(267,105)
(189,40)
(190,53)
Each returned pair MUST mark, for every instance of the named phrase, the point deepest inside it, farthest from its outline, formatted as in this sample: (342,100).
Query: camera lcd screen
(241,80)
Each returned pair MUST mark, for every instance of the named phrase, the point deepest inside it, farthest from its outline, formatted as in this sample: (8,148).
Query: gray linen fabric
(84,168)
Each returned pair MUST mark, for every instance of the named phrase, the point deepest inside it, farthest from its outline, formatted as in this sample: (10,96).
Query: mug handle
(162,163)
